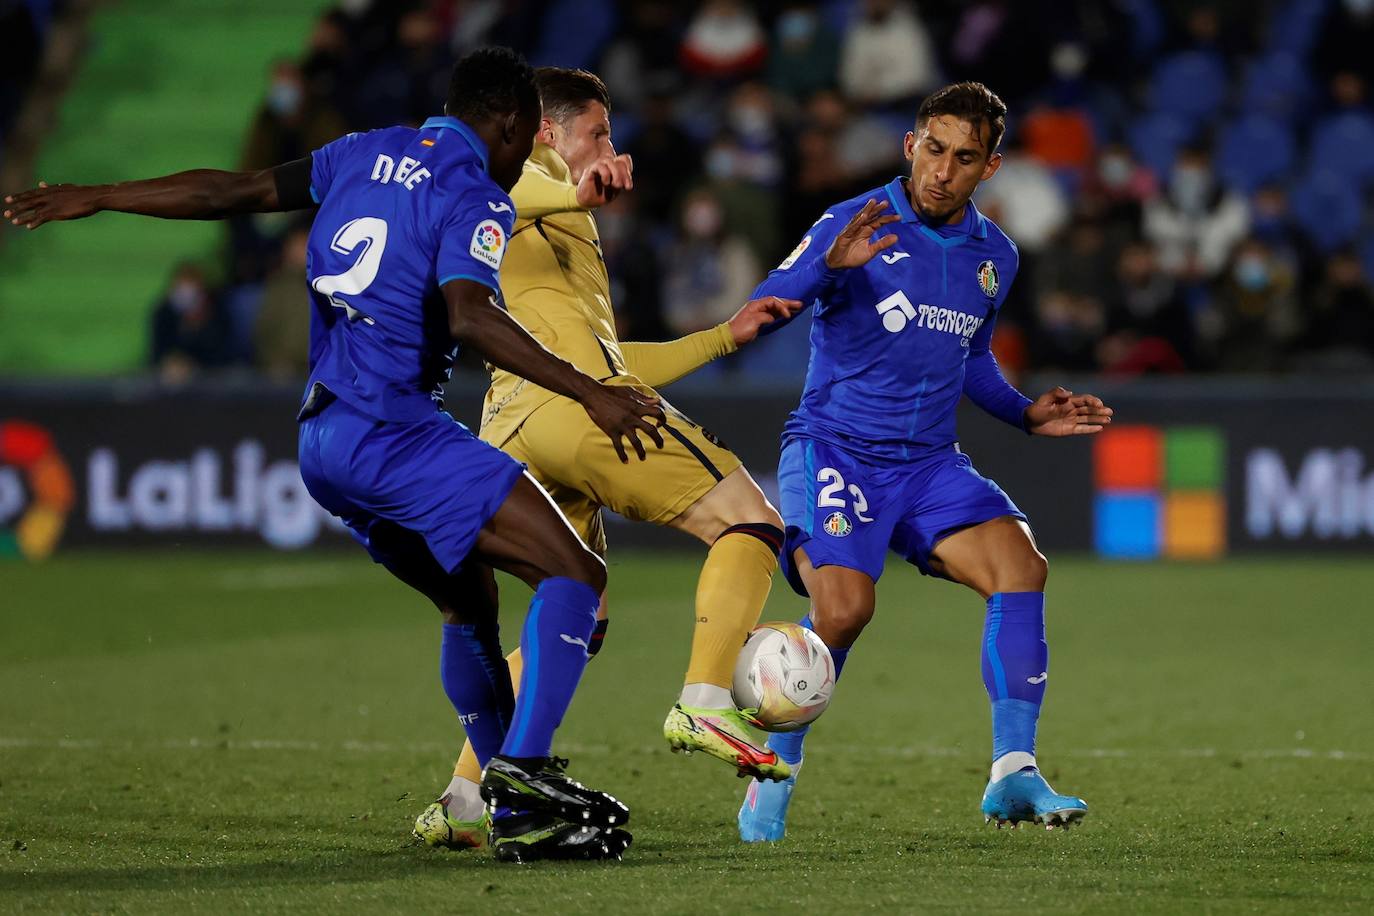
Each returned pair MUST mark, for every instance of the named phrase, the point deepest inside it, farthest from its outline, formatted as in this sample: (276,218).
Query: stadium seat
(1276,85)
(1191,85)
(1296,25)
(574,33)
(1341,144)
(1252,150)
(1156,138)
(1329,215)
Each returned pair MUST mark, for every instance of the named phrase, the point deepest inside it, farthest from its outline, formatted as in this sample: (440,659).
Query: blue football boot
(1025,796)
(763,816)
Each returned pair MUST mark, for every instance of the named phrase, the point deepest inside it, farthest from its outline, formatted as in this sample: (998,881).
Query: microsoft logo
(1160,492)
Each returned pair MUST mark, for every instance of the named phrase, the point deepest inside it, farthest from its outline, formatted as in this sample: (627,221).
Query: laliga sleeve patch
(488,243)
(796,253)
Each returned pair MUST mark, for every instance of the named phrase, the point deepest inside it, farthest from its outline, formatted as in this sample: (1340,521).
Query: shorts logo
(987,279)
(488,243)
(838,525)
(796,253)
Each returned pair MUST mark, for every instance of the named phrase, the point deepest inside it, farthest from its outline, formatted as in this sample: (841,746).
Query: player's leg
(442,822)
(674,486)
(967,530)
(836,545)
(743,533)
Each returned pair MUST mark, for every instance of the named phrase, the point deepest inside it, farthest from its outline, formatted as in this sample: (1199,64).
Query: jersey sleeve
(325,162)
(803,274)
(538,193)
(984,383)
(473,240)
(662,363)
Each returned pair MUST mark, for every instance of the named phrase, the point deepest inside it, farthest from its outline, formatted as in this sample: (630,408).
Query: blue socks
(788,745)
(475,677)
(555,643)
(1015,666)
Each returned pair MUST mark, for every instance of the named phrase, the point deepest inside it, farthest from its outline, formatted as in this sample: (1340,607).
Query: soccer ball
(785,672)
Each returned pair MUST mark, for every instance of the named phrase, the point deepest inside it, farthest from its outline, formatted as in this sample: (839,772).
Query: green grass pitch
(252,732)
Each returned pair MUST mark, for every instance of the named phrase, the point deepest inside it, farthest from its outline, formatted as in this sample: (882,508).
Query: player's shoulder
(998,238)
(844,211)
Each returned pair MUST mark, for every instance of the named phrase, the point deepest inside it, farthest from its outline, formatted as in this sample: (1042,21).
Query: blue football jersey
(890,340)
(402,211)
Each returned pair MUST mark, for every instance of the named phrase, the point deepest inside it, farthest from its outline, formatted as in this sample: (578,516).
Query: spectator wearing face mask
(710,271)
(724,41)
(1256,314)
(1196,223)
(887,57)
(290,123)
(805,56)
(1338,332)
(188,332)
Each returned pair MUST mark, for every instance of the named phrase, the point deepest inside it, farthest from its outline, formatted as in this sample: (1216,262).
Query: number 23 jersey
(402,212)
(890,340)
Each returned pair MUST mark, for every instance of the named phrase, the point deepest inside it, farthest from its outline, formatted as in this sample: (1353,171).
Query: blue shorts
(848,511)
(432,476)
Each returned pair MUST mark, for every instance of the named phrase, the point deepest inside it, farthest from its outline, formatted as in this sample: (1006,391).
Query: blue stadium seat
(1342,144)
(1277,85)
(1156,138)
(1254,149)
(1329,215)
(1296,25)
(575,32)
(1192,85)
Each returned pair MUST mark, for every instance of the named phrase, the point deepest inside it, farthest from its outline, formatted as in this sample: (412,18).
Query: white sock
(464,800)
(706,696)
(1010,763)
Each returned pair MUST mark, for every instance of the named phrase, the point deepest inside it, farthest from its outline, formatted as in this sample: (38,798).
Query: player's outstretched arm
(1060,412)
(664,363)
(198,194)
(476,320)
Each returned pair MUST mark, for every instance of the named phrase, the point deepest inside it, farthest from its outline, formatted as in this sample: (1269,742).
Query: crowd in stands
(1188,183)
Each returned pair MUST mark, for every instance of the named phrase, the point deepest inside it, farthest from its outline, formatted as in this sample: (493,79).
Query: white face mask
(184,295)
(703,219)
(1190,187)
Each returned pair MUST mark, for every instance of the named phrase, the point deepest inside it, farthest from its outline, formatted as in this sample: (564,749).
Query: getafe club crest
(987,279)
(838,525)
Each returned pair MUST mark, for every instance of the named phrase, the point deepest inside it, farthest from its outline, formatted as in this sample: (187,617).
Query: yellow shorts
(575,461)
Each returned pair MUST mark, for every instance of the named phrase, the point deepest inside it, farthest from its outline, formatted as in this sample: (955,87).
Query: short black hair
(566,92)
(491,82)
(967,101)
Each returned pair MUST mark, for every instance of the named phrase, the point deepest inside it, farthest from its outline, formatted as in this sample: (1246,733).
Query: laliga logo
(32,526)
(489,236)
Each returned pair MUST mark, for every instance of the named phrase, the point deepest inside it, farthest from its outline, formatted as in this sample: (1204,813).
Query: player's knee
(839,619)
(1028,572)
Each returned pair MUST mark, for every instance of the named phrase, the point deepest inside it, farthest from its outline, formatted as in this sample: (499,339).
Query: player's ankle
(1011,762)
(464,799)
(706,696)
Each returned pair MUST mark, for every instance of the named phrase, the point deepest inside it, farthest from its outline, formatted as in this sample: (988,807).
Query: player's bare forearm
(477,321)
(198,194)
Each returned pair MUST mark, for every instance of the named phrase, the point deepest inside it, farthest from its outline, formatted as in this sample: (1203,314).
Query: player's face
(508,159)
(948,158)
(581,140)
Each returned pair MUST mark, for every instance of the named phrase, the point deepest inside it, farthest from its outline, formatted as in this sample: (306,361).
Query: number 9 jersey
(402,212)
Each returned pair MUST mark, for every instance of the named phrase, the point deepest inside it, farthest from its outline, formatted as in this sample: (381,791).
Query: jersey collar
(444,122)
(901,205)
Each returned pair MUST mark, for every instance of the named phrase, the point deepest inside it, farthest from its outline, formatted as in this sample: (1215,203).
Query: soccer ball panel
(785,672)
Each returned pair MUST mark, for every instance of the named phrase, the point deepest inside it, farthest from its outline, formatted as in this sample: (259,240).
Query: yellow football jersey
(554,282)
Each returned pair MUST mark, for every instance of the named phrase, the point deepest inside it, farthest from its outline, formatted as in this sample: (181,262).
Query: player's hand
(622,413)
(855,245)
(757,313)
(604,179)
(1060,412)
(46,204)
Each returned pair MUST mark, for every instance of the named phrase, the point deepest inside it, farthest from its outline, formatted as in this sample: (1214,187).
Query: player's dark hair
(566,92)
(491,82)
(971,102)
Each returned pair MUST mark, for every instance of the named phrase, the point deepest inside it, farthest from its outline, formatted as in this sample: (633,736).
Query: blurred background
(1188,183)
